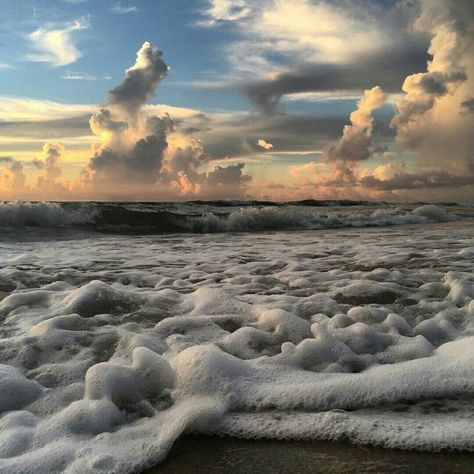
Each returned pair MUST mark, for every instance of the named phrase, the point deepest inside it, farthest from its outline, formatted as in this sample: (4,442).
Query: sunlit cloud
(264,144)
(219,11)
(299,30)
(25,109)
(54,43)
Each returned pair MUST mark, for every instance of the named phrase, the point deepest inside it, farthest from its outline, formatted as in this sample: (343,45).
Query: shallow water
(200,455)
(114,346)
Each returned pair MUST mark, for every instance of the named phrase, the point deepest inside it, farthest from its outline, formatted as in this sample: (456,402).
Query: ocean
(126,326)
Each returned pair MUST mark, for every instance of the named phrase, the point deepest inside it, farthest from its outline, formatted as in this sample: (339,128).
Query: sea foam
(114,346)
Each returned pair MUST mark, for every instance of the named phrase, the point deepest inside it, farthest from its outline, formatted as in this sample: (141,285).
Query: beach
(347,329)
(218,455)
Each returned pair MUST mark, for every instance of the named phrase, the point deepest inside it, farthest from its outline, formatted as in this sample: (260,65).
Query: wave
(43,214)
(268,219)
(200,217)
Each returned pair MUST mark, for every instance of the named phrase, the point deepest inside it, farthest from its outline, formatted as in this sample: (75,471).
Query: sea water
(125,326)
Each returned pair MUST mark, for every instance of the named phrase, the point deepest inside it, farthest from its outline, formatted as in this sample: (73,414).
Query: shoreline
(211,455)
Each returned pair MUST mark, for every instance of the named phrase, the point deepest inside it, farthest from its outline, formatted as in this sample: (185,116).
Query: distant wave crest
(204,218)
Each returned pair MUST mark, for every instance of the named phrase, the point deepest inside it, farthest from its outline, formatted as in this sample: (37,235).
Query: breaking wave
(200,217)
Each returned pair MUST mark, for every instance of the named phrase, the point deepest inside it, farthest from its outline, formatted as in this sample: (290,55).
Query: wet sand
(201,454)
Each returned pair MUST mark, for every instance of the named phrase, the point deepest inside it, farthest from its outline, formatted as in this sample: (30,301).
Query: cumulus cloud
(18,176)
(48,185)
(226,181)
(13,180)
(102,121)
(433,118)
(54,44)
(146,156)
(354,145)
(50,178)
(141,80)
(264,144)
(429,119)
(357,137)
(422,90)
(132,144)
(141,163)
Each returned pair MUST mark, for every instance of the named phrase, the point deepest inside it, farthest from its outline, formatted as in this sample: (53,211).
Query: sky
(167,100)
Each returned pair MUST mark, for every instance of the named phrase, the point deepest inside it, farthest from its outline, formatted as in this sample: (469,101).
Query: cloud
(264,144)
(54,44)
(103,121)
(141,163)
(422,90)
(141,80)
(225,11)
(145,156)
(48,185)
(419,180)
(26,109)
(6,66)
(120,9)
(339,173)
(81,76)
(357,137)
(132,143)
(299,46)
(228,181)
(13,178)
(18,177)
(388,69)
(6,159)
(428,119)
(468,105)
(52,153)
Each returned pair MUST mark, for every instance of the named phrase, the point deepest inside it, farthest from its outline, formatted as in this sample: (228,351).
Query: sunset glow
(281,88)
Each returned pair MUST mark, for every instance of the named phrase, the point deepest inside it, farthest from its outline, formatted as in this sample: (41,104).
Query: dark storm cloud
(468,106)
(387,69)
